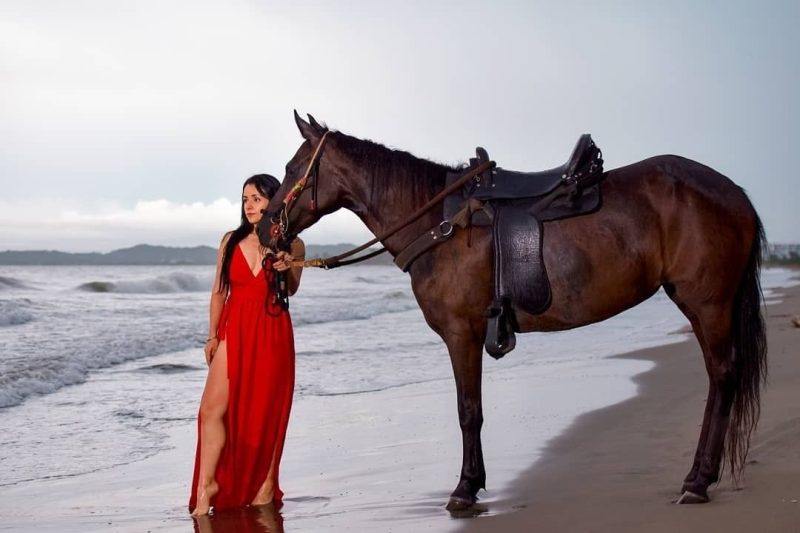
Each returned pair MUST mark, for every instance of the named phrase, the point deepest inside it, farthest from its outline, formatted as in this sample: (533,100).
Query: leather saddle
(574,178)
(516,204)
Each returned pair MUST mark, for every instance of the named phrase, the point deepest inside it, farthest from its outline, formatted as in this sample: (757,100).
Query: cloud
(158,214)
(103,227)
(184,99)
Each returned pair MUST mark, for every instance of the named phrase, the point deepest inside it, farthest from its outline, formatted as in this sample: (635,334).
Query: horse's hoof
(464,508)
(692,497)
(457,503)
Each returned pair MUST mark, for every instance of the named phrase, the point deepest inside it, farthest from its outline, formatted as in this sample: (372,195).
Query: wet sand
(620,468)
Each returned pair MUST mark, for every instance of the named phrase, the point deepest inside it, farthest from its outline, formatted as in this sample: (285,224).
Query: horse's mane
(390,167)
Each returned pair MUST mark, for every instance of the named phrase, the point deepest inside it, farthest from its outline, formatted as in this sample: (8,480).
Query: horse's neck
(381,211)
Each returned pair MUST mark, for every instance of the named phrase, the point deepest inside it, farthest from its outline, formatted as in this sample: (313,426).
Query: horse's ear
(317,126)
(308,131)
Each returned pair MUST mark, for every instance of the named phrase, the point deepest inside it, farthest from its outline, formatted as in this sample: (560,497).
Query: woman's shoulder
(224,242)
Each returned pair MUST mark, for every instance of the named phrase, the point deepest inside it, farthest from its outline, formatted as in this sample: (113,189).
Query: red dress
(260,348)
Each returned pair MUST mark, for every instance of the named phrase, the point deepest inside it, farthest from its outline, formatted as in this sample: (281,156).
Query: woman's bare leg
(267,491)
(212,429)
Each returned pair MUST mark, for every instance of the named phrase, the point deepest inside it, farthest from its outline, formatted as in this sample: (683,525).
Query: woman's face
(253,202)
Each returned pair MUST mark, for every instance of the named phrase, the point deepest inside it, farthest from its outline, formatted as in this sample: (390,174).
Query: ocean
(100,366)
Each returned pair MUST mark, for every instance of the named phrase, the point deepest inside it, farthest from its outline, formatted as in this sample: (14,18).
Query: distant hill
(145,254)
(142,254)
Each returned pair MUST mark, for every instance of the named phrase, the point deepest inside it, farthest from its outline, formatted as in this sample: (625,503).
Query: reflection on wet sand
(254,519)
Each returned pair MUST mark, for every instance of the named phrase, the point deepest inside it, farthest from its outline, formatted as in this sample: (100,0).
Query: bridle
(280,221)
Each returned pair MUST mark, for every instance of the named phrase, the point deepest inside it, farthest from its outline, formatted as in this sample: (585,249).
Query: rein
(279,227)
(337,260)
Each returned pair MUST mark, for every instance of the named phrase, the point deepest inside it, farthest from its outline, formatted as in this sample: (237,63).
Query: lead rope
(280,290)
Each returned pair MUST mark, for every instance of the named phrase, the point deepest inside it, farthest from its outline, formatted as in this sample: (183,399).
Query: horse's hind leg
(718,353)
(711,323)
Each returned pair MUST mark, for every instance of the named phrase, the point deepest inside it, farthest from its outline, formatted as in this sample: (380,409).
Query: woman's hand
(210,349)
(283,261)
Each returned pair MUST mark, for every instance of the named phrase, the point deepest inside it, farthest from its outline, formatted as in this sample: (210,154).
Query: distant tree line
(145,254)
(790,259)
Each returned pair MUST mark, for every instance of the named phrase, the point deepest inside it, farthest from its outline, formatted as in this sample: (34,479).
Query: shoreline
(620,468)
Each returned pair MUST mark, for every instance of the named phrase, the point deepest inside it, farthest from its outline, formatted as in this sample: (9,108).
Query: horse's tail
(750,357)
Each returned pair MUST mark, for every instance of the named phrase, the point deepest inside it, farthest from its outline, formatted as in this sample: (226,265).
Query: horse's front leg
(466,352)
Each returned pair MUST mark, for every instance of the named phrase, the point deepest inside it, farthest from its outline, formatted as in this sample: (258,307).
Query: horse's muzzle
(269,228)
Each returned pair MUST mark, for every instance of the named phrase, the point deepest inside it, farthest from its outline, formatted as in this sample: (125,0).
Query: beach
(374,443)
(620,468)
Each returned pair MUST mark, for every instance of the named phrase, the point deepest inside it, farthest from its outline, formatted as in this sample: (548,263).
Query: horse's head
(309,189)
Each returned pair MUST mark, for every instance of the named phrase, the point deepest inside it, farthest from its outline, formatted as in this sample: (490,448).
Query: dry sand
(620,468)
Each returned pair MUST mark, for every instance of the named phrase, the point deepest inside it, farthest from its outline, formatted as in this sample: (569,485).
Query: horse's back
(662,219)
(667,178)
(704,217)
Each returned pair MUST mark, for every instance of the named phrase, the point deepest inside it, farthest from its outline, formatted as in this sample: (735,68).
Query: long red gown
(260,348)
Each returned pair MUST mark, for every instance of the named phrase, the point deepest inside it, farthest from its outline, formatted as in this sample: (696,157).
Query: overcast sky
(136,122)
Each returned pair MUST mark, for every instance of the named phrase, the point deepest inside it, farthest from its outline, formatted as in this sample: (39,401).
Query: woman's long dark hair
(267,186)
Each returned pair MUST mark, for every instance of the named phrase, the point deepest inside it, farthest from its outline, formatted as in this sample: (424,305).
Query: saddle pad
(519,272)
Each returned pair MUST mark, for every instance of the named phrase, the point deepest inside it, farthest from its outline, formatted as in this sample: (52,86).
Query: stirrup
(500,338)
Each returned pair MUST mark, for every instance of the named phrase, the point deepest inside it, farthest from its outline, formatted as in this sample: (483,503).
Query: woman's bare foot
(204,495)
(265,494)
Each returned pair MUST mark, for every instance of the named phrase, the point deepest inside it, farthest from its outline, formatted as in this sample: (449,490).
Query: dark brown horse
(665,222)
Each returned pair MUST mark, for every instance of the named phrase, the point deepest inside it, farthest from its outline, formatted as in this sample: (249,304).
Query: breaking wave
(170,283)
(15,312)
(356,307)
(11,283)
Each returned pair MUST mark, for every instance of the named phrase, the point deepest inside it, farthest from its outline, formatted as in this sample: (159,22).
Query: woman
(250,353)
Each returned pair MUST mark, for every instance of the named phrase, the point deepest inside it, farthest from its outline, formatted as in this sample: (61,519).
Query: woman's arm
(297,253)
(216,304)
